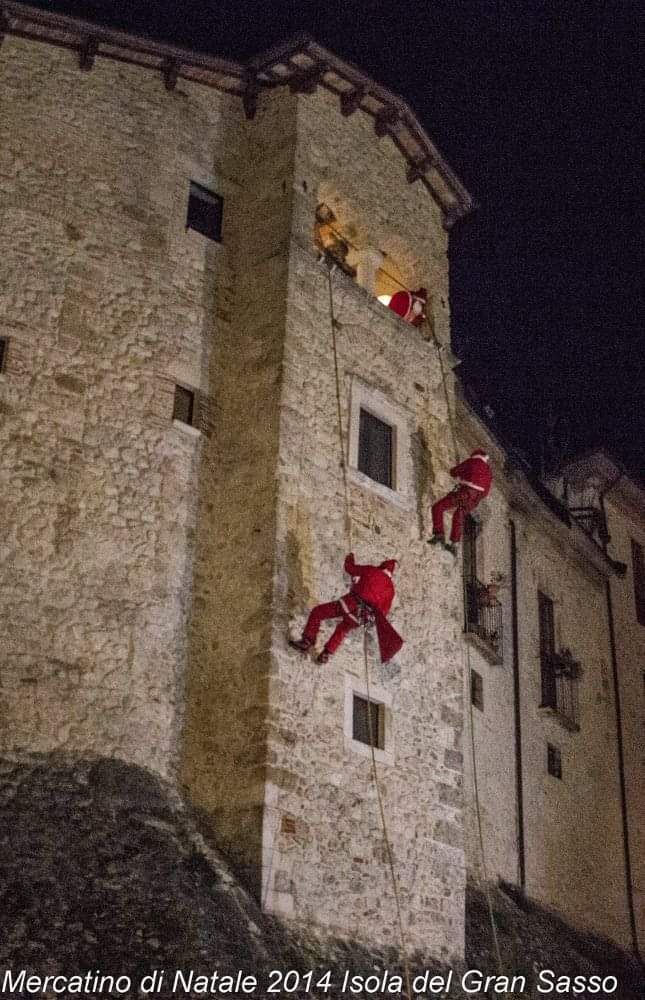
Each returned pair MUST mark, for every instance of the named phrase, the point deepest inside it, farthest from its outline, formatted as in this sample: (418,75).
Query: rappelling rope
(341,439)
(348,530)
(489,901)
(386,839)
(444,380)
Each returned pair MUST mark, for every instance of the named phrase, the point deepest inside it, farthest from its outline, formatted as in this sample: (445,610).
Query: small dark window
(547,650)
(638,567)
(184,405)
(375,448)
(3,352)
(553,761)
(477,690)
(365,713)
(204,212)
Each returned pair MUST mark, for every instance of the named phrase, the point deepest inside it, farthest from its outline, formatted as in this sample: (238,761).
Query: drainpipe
(619,736)
(519,795)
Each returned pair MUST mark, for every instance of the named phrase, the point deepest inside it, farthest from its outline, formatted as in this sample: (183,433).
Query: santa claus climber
(368,602)
(474,480)
(410,306)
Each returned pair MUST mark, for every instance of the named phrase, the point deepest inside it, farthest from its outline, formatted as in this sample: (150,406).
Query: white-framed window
(368,719)
(379,444)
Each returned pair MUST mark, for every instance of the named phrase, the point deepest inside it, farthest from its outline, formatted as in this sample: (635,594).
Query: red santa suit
(369,599)
(410,306)
(475,479)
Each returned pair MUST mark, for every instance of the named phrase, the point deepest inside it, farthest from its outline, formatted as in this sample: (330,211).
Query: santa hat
(480,453)
(389,565)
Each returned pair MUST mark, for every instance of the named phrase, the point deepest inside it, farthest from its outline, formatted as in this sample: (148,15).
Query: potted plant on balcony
(488,593)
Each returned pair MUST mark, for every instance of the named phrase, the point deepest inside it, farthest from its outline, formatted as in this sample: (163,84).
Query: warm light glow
(385,299)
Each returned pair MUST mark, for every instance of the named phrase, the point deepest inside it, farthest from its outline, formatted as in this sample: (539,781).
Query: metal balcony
(483,614)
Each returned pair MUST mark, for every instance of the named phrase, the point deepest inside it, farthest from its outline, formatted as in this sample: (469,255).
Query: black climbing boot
(323,657)
(437,540)
(450,547)
(301,644)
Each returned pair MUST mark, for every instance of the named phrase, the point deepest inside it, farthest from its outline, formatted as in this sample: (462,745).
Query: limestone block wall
(106,300)
(224,752)
(323,857)
(626,523)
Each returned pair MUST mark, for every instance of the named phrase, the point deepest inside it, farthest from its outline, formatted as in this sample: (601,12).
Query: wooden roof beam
(384,120)
(250,95)
(87,53)
(306,81)
(418,169)
(170,70)
(350,101)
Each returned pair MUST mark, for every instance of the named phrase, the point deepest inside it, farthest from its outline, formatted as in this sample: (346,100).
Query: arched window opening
(331,243)
(370,268)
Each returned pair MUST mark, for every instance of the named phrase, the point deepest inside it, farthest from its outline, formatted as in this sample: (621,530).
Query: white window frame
(382,697)
(366,397)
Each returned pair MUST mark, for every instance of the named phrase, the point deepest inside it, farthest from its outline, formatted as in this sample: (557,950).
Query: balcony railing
(560,674)
(484,616)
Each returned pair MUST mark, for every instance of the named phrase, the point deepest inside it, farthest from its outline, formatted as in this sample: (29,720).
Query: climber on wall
(410,306)
(474,478)
(368,601)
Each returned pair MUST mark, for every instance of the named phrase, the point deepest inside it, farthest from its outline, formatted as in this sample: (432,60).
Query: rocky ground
(102,868)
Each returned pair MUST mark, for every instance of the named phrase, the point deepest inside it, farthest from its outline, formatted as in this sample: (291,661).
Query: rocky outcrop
(104,868)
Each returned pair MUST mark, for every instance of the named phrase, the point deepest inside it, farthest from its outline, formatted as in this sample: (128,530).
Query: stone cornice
(299,63)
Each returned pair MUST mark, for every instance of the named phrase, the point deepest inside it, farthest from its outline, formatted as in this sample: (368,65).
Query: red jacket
(373,584)
(476,473)
(401,303)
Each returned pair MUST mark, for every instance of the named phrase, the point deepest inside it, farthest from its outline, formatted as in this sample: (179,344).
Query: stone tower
(157,564)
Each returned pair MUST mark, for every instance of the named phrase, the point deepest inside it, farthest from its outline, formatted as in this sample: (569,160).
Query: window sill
(188,429)
(364,749)
(384,492)
(484,647)
(547,712)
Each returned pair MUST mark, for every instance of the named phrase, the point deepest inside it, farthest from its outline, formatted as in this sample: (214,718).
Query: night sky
(538,108)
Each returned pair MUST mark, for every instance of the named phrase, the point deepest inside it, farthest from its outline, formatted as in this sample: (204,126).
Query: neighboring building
(550,749)
(174,499)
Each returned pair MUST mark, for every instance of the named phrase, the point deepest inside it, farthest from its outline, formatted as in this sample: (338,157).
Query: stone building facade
(558,766)
(174,494)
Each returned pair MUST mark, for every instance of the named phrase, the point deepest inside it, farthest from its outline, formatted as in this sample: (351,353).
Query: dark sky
(538,107)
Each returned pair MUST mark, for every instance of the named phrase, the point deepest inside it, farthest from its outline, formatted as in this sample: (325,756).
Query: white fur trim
(473,486)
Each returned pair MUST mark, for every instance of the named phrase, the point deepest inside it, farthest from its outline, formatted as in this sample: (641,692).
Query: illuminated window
(204,212)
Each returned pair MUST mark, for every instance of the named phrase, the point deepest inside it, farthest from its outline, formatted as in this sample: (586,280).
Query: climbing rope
(482,852)
(386,838)
(444,381)
(348,530)
(341,439)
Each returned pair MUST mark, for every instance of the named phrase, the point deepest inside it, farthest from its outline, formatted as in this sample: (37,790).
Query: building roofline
(617,480)
(299,63)
(525,492)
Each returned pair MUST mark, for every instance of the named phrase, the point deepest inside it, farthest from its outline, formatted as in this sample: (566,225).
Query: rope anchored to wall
(348,530)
